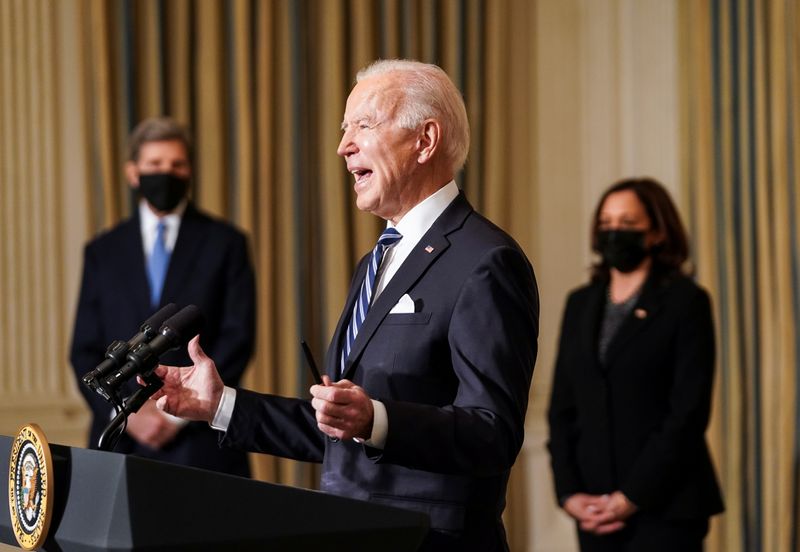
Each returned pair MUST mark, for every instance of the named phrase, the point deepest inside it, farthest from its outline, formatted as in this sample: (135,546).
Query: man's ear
(428,140)
(132,174)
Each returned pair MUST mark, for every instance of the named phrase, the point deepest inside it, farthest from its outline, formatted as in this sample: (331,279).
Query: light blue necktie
(389,237)
(157,265)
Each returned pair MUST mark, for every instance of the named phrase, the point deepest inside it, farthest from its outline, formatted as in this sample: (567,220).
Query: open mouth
(361,175)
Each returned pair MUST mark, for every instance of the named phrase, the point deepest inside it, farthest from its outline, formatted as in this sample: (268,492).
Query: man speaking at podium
(428,373)
(167,252)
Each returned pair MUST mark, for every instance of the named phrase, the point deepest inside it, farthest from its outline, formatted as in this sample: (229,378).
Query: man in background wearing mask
(149,260)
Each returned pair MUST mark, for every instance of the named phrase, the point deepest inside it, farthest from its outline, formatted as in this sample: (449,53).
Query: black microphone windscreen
(187,323)
(161,316)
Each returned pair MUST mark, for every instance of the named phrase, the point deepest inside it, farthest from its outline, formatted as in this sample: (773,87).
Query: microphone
(118,350)
(142,359)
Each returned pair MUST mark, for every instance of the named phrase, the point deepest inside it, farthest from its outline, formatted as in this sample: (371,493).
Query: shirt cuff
(380,427)
(224,410)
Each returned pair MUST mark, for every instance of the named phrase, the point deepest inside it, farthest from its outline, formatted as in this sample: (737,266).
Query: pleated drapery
(742,130)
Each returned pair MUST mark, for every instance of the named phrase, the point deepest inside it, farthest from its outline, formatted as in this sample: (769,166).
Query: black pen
(311,363)
(314,372)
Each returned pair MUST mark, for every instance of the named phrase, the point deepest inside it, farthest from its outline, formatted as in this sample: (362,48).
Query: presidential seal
(30,487)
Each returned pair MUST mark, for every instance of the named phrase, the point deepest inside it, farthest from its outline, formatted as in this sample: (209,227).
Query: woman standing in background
(632,387)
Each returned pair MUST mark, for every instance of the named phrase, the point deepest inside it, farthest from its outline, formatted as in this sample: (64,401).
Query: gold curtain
(262,86)
(742,125)
(33,261)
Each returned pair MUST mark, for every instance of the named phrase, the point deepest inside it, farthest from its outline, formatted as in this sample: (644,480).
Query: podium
(109,501)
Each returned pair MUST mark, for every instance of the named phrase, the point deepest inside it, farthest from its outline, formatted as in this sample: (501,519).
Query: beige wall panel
(63,421)
(648,100)
(600,106)
(559,237)
(631,117)
(607,86)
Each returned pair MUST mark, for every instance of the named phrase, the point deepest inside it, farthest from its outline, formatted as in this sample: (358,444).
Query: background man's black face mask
(163,190)
(622,249)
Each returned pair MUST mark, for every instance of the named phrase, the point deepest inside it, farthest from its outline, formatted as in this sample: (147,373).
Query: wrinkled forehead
(377,97)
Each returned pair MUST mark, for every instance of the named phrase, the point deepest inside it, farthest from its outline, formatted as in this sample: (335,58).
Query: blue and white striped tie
(389,237)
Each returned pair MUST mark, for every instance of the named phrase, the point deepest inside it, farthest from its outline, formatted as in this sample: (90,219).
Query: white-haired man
(429,369)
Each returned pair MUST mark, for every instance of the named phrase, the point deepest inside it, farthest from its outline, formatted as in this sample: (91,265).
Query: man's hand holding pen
(344,410)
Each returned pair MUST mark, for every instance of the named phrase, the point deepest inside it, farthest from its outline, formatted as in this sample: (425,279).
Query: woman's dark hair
(669,255)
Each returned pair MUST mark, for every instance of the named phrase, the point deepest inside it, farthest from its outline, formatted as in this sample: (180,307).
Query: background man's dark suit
(210,268)
(454,377)
(637,424)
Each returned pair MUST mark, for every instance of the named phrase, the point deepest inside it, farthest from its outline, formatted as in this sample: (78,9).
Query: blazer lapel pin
(641,314)
(429,249)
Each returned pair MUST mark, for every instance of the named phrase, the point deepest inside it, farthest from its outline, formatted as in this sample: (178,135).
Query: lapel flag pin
(641,314)
(429,249)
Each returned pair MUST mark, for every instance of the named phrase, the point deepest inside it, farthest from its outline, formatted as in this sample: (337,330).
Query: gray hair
(428,93)
(158,129)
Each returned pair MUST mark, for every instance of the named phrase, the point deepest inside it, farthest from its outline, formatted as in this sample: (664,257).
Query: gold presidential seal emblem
(30,487)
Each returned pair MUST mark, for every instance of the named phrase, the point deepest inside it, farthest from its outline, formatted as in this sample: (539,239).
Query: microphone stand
(142,359)
(113,431)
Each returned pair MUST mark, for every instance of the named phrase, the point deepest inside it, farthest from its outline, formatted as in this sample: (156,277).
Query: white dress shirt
(412,227)
(148,223)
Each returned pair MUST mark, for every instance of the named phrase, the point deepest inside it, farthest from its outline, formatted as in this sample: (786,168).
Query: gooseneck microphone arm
(112,432)
(142,360)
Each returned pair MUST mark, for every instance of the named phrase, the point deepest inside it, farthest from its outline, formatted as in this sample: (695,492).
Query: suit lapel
(430,247)
(332,361)
(132,264)
(590,323)
(640,316)
(184,255)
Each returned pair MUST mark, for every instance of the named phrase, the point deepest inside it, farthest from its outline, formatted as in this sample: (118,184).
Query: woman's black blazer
(637,422)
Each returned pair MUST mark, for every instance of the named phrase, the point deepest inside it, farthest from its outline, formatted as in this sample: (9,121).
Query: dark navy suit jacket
(210,268)
(454,375)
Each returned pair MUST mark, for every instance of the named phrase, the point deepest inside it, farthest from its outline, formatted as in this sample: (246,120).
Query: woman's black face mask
(623,250)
